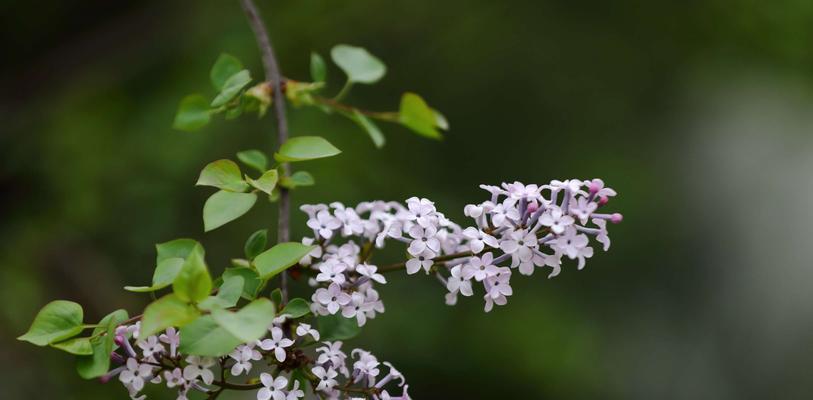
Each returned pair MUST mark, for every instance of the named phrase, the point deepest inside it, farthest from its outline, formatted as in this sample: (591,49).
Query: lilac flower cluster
(520,228)
(157,360)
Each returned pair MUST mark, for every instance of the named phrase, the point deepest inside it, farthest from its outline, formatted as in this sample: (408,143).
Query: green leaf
(256,243)
(255,159)
(266,182)
(193,114)
(57,321)
(296,308)
(165,273)
(222,174)
(228,294)
(337,327)
(276,296)
(232,87)
(318,68)
(416,115)
(248,324)
(250,277)
(359,65)
(370,127)
(79,346)
(165,312)
(302,148)
(226,66)
(204,337)
(298,178)
(224,207)
(193,282)
(96,365)
(178,248)
(279,258)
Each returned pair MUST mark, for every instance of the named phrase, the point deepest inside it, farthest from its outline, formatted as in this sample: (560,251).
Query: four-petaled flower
(276,343)
(272,388)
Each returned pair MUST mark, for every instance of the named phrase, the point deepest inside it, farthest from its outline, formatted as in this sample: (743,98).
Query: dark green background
(697,112)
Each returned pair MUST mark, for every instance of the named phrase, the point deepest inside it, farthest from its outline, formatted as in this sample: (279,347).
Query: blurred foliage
(92,176)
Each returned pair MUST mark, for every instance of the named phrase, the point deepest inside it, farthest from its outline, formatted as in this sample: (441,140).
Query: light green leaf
(79,346)
(178,248)
(165,312)
(416,115)
(250,277)
(96,365)
(193,282)
(276,296)
(165,273)
(318,68)
(222,174)
(296,308)
(256,243)
(232,87)
(280,257)
(224,207)
(266,182)
(370,127)
(302,148)
(193,114)
(228,294)
(248,324)
(226,66)
(298,178)
(359,65)
(255,159)
(204,337)
(57,321)
(337,327)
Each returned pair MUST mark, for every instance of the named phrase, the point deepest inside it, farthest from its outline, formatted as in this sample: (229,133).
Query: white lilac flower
(150,346)
(324,224)
(366,366)
(199,367)
(332,353)
(357,308)
(314,254)
(501,214)
(420,211)
(596,187)
(421,261)
(520,244)
(305,329)
(326,378)
(479,239)
(458,282)
(370,271)
(556,220)
(173,338)
(174,378)
(423,239)
(331,271)
(276,343)
(571,243)
(583,209)
(480,268)
(135,374)
(272,388)
(350,221)
(243,355)
(295,392)
(499,285)
(333,298)
(602,237)
(519,191)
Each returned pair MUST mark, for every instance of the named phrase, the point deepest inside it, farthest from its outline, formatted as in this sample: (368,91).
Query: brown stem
(274,77)
(398,266)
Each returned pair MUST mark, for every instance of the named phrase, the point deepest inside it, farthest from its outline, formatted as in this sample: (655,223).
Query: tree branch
(274,77)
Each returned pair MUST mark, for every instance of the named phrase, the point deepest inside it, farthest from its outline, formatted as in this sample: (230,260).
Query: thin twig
(274,77)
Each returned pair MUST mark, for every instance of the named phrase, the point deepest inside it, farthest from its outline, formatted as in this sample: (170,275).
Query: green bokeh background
(698,112)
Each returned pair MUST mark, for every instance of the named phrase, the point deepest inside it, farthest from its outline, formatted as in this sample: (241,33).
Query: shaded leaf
(222,174)
(165,273)
(337,327)
(224,207)
(57,321)
(296,308)
(204,337)
(166,312)
(228,294)
(416,115)
(79,346)
(233,85)
(318,68)
(193,282)
(248,324)
(359,65)
(226,66)
(298,178)
(255,159)
(265,183)
(251,278)
(97,364)
(256,243)
(193,113)
(279,258)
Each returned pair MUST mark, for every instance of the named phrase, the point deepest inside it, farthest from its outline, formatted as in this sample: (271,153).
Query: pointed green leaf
(318,68)
(228,294)
(370,127)
(204,337)
(302,148)
(276,296)
(165,312)
(224,207)
(222,174)
(96,365)
(256,243)
(248,324)
(193,282)
(416,115)
(296,308)
(193,113)
(165,273)
(57,321)
(226,66)
(359,65)
(337,327)
(255,159)
(266,182)
(298,178)
(251,278)
(178,248)
(280,257)
(79,346)
(232,87)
